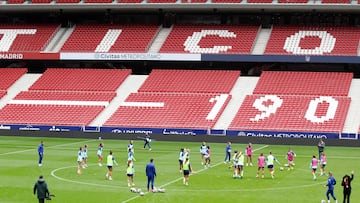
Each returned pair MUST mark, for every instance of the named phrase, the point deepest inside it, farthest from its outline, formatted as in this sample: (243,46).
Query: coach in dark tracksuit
(346,183)
(41,189)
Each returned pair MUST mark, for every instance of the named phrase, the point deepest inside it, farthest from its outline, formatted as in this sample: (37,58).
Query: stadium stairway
(261,40)
(243,86)
(159,40)
(22,84)
(59,39)
(130,85)
(352,121)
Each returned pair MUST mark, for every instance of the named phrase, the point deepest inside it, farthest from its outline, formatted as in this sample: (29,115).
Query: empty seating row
(304,83)
(62,79)
(65,95)
(190,81)
(110,38)
(8,76)
(174,1)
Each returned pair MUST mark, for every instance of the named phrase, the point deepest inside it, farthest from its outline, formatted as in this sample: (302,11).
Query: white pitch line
(178,179)
(35,148)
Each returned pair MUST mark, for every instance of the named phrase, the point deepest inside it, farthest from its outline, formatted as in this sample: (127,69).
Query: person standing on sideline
(321,147)
(41,189)
(147,141)
(227,153)
(99,153)
(41,152)
(346,183)
(203,152)
(151,174)
(313,165)
(330,184)
(110,161)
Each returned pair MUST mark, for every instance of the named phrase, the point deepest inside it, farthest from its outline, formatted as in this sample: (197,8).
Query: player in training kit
(235,161)
(270,159)
(227,153)
(131,156)
(131,146)
(290,157)
(130,172)
(261,166)
(186,170)
(249,153)
(330,184)
(203,152)
(99,153)
(147,141)
(322,163)
(85,154)
(110,161)
(181,159)
(40,150)
(80,159)
(314,164)
(240,164)
(207,157)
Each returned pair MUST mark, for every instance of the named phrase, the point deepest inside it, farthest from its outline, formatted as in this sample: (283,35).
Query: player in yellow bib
(110,161)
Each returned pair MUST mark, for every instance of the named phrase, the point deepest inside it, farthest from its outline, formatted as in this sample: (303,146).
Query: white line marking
(178,179)
(143,104)
(60,102)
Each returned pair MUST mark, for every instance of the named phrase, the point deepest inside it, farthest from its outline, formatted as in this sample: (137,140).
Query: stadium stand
(335,1)
(28,37)
(130,1)
(9,76)
(62,79)
(292,113)
(210,39)
(2,93)
(41,1)
(226,1)
(183,98)
(169,110)
(190,81)
(15,1)
(67,1)
(65,97)
(110,38)
(296,101)
(259,1)
(304,83)
(293,1)
(312,40)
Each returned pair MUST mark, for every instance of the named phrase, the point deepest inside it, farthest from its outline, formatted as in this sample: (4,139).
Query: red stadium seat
(62,79)
(15,1)
(304,83)
(9,76)
(67,1)
(41,1)
(190,81)
(110,38)
(65,95)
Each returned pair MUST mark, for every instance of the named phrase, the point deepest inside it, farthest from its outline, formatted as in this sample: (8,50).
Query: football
(141,193)
(281,168)
(323,201)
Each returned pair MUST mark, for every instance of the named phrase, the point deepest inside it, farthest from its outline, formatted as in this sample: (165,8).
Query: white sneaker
(40,164)
(110,178)
(100,164)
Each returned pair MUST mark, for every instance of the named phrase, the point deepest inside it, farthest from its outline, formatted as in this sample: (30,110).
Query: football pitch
(19,171)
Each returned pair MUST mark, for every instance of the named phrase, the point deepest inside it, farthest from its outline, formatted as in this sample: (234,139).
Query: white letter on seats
(9,35)
(108,41)
(191,44)
(327,44)
(330,113)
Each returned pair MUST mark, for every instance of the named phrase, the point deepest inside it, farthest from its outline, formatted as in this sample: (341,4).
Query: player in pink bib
(261,166)
(249,153)
(314,164)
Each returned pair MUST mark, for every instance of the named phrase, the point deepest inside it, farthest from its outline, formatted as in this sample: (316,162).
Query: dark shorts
(180,161)
(130,175)
(270,166)
(186,172)
(109,167)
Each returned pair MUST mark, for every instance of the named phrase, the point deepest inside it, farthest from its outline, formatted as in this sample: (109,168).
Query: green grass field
(19,171)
